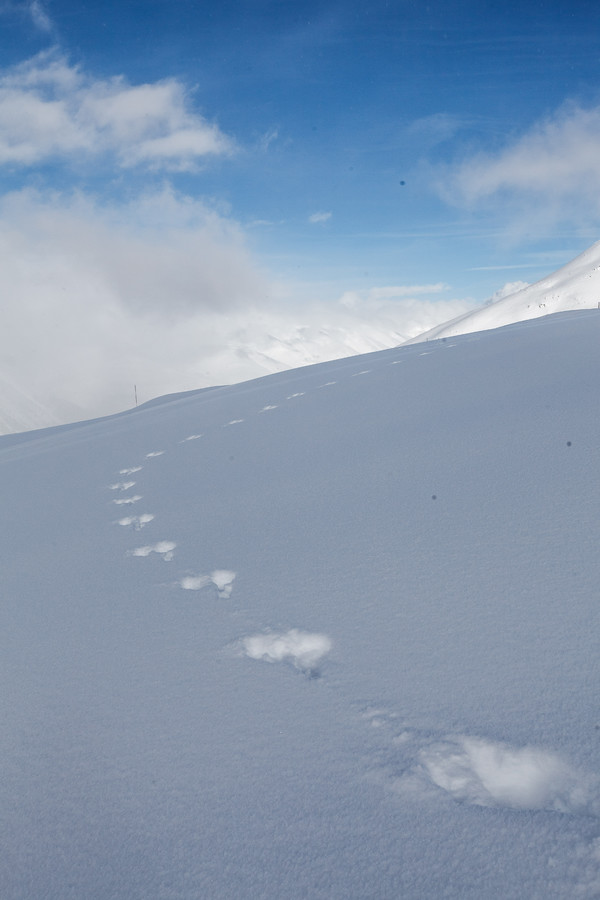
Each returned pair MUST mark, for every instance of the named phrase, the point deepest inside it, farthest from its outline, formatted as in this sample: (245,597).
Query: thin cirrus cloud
(32,10)
(551,173)
(52,110)
(319,218)
(39,16)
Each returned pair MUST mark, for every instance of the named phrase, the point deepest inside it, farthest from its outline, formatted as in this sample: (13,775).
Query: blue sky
(328,150)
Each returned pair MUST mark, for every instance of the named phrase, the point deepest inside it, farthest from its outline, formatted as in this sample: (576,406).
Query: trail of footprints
(221,579)
(414,760)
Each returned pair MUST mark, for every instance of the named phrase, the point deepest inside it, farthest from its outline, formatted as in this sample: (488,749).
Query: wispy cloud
(40,17)
(429,131)
(549,174)
(50,109)
(319,218)
(530,265)
(268,138)
(33,10)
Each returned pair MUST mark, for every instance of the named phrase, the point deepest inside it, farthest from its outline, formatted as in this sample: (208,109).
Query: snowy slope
(574,286)
(259,347)
(332,633)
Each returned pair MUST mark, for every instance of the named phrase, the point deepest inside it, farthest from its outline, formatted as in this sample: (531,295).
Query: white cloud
(550,174)
(99,298)
(49,109)
(163,293)
(319,218)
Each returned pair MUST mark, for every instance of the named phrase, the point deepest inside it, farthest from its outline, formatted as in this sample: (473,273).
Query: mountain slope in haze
(19,411)
(332,633)
(574,286)
(251,352)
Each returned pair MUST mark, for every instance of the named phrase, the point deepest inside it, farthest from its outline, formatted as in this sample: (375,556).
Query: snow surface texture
(574,286)
(417,528)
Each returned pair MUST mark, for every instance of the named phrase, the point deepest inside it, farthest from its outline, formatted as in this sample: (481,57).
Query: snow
(574,286)
(356,655)
(486,773)
(303,649)
(222,579)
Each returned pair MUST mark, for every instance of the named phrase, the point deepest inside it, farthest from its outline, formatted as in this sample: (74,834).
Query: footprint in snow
(137,522)
(130,471)
(222,579)
(121,485)
(364,372)
(233,422)
(154,453)
(481,772)
(298,394)
(327,384)
(123,501)
(162,548)
(304,650)
(266,408)
(190,437)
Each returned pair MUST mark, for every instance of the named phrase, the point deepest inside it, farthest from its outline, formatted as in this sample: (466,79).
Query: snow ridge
(574,286)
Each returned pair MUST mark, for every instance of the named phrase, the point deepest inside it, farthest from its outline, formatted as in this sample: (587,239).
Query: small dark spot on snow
(402,183)
(569,444)
(434,496)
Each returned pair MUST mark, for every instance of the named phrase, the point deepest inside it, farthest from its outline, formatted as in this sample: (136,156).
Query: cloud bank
(162,292)
(51,110)
(158,290)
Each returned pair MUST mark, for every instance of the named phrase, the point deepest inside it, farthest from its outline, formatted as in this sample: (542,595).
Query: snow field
(465,625)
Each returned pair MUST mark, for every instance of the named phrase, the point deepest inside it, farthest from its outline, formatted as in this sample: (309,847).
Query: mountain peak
(575,285)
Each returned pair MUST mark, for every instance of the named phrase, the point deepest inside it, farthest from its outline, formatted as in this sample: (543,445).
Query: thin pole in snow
(135,392)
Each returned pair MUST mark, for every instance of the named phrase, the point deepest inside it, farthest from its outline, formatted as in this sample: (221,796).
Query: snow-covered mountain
(574,286)
(332,633)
